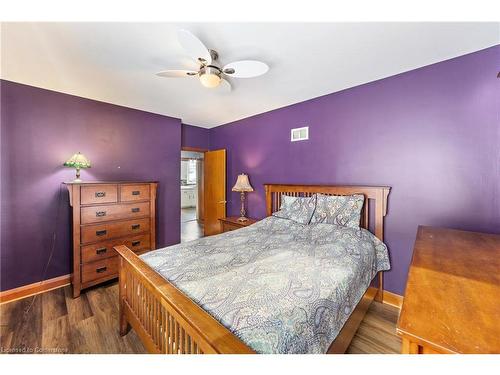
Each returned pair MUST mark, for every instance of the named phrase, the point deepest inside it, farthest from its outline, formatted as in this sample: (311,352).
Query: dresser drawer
(105,231)
(93,194)
(103,250)
(96,214)
(130,193)
(101,268)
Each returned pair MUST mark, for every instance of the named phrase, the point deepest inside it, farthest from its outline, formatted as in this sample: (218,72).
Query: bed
(273,287)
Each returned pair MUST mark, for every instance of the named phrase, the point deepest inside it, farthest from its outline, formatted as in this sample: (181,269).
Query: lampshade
(77,161)
(242,183)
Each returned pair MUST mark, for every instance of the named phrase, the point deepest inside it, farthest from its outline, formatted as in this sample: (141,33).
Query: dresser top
(107,182)
(452,297)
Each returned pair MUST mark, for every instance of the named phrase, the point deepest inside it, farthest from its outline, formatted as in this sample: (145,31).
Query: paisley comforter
(280,286)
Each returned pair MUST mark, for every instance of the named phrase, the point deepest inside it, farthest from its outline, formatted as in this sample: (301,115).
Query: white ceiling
(117,62)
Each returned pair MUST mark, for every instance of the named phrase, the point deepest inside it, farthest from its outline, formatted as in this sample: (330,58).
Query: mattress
(280,286)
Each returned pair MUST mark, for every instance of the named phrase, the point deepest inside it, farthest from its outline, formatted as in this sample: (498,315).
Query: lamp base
(242,217)
(77,179)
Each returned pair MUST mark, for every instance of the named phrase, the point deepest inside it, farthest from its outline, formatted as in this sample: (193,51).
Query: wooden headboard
(377,194)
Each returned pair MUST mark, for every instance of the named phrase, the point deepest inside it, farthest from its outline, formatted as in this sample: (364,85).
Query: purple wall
(432,134)
(41,129)
(194,136)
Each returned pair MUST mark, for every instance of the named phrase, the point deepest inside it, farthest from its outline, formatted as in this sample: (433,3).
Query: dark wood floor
(54,322)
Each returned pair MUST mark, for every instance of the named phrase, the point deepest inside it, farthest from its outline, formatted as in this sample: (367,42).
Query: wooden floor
(54,322)
(377,332)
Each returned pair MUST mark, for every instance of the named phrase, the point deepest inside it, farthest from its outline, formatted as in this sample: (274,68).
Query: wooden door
(214,183)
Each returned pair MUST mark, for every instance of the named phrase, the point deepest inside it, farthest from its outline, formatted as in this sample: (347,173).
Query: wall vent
(300,134)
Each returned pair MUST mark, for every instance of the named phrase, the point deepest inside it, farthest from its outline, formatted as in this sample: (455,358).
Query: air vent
(300,134)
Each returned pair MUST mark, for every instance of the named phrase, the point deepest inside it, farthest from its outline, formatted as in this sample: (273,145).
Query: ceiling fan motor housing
(210,69)
(211,73)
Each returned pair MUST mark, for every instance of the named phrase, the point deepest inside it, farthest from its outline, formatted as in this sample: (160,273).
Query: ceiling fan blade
(194,47)
(177,73)
(245,69)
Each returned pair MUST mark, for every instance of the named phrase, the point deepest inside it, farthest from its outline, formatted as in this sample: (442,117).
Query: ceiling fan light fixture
(210,72)
(210,77)
(210,80)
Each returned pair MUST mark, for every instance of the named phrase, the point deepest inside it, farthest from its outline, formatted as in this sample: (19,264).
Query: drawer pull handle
(136,226)
(136,192)
(100,194)
(136,243)
(102,250)
(136,209)
(101,269)
(100,213)
(101,232)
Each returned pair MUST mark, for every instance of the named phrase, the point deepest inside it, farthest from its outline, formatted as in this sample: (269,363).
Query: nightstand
(231,223)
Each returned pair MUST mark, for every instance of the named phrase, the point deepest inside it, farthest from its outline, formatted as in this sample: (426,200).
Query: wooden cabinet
(451,302)
(189,197)
(105,215)
(232,223)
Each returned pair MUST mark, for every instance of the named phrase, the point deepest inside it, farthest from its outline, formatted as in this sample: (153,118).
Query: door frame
(194,149)
(201,189)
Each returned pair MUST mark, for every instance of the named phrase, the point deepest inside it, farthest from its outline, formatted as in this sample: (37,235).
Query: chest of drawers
(108,214)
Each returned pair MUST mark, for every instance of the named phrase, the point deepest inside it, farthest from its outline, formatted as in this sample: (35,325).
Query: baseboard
(35,288)
(392,299)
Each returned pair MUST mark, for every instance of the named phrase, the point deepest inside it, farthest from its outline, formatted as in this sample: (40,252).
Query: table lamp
(242,185)
(77,161)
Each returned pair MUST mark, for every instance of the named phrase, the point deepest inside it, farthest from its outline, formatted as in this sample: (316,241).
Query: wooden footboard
(164,318)
(169,322)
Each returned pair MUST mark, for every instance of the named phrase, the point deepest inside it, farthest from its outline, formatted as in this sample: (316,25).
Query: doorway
(192,207)
(203,192)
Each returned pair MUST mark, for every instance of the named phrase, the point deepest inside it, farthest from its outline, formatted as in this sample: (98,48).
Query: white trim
(306,137)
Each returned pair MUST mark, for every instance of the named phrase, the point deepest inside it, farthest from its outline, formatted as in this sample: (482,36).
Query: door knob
(222,202)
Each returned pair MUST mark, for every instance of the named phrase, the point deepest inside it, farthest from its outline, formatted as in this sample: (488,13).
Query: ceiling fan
(210,72)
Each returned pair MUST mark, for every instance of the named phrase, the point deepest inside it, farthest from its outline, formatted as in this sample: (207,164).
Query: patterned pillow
(342,210)
(299,209)
(286,201)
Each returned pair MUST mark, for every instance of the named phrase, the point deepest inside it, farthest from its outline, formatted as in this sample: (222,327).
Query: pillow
(342,210)
(286,201)
(298,209)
